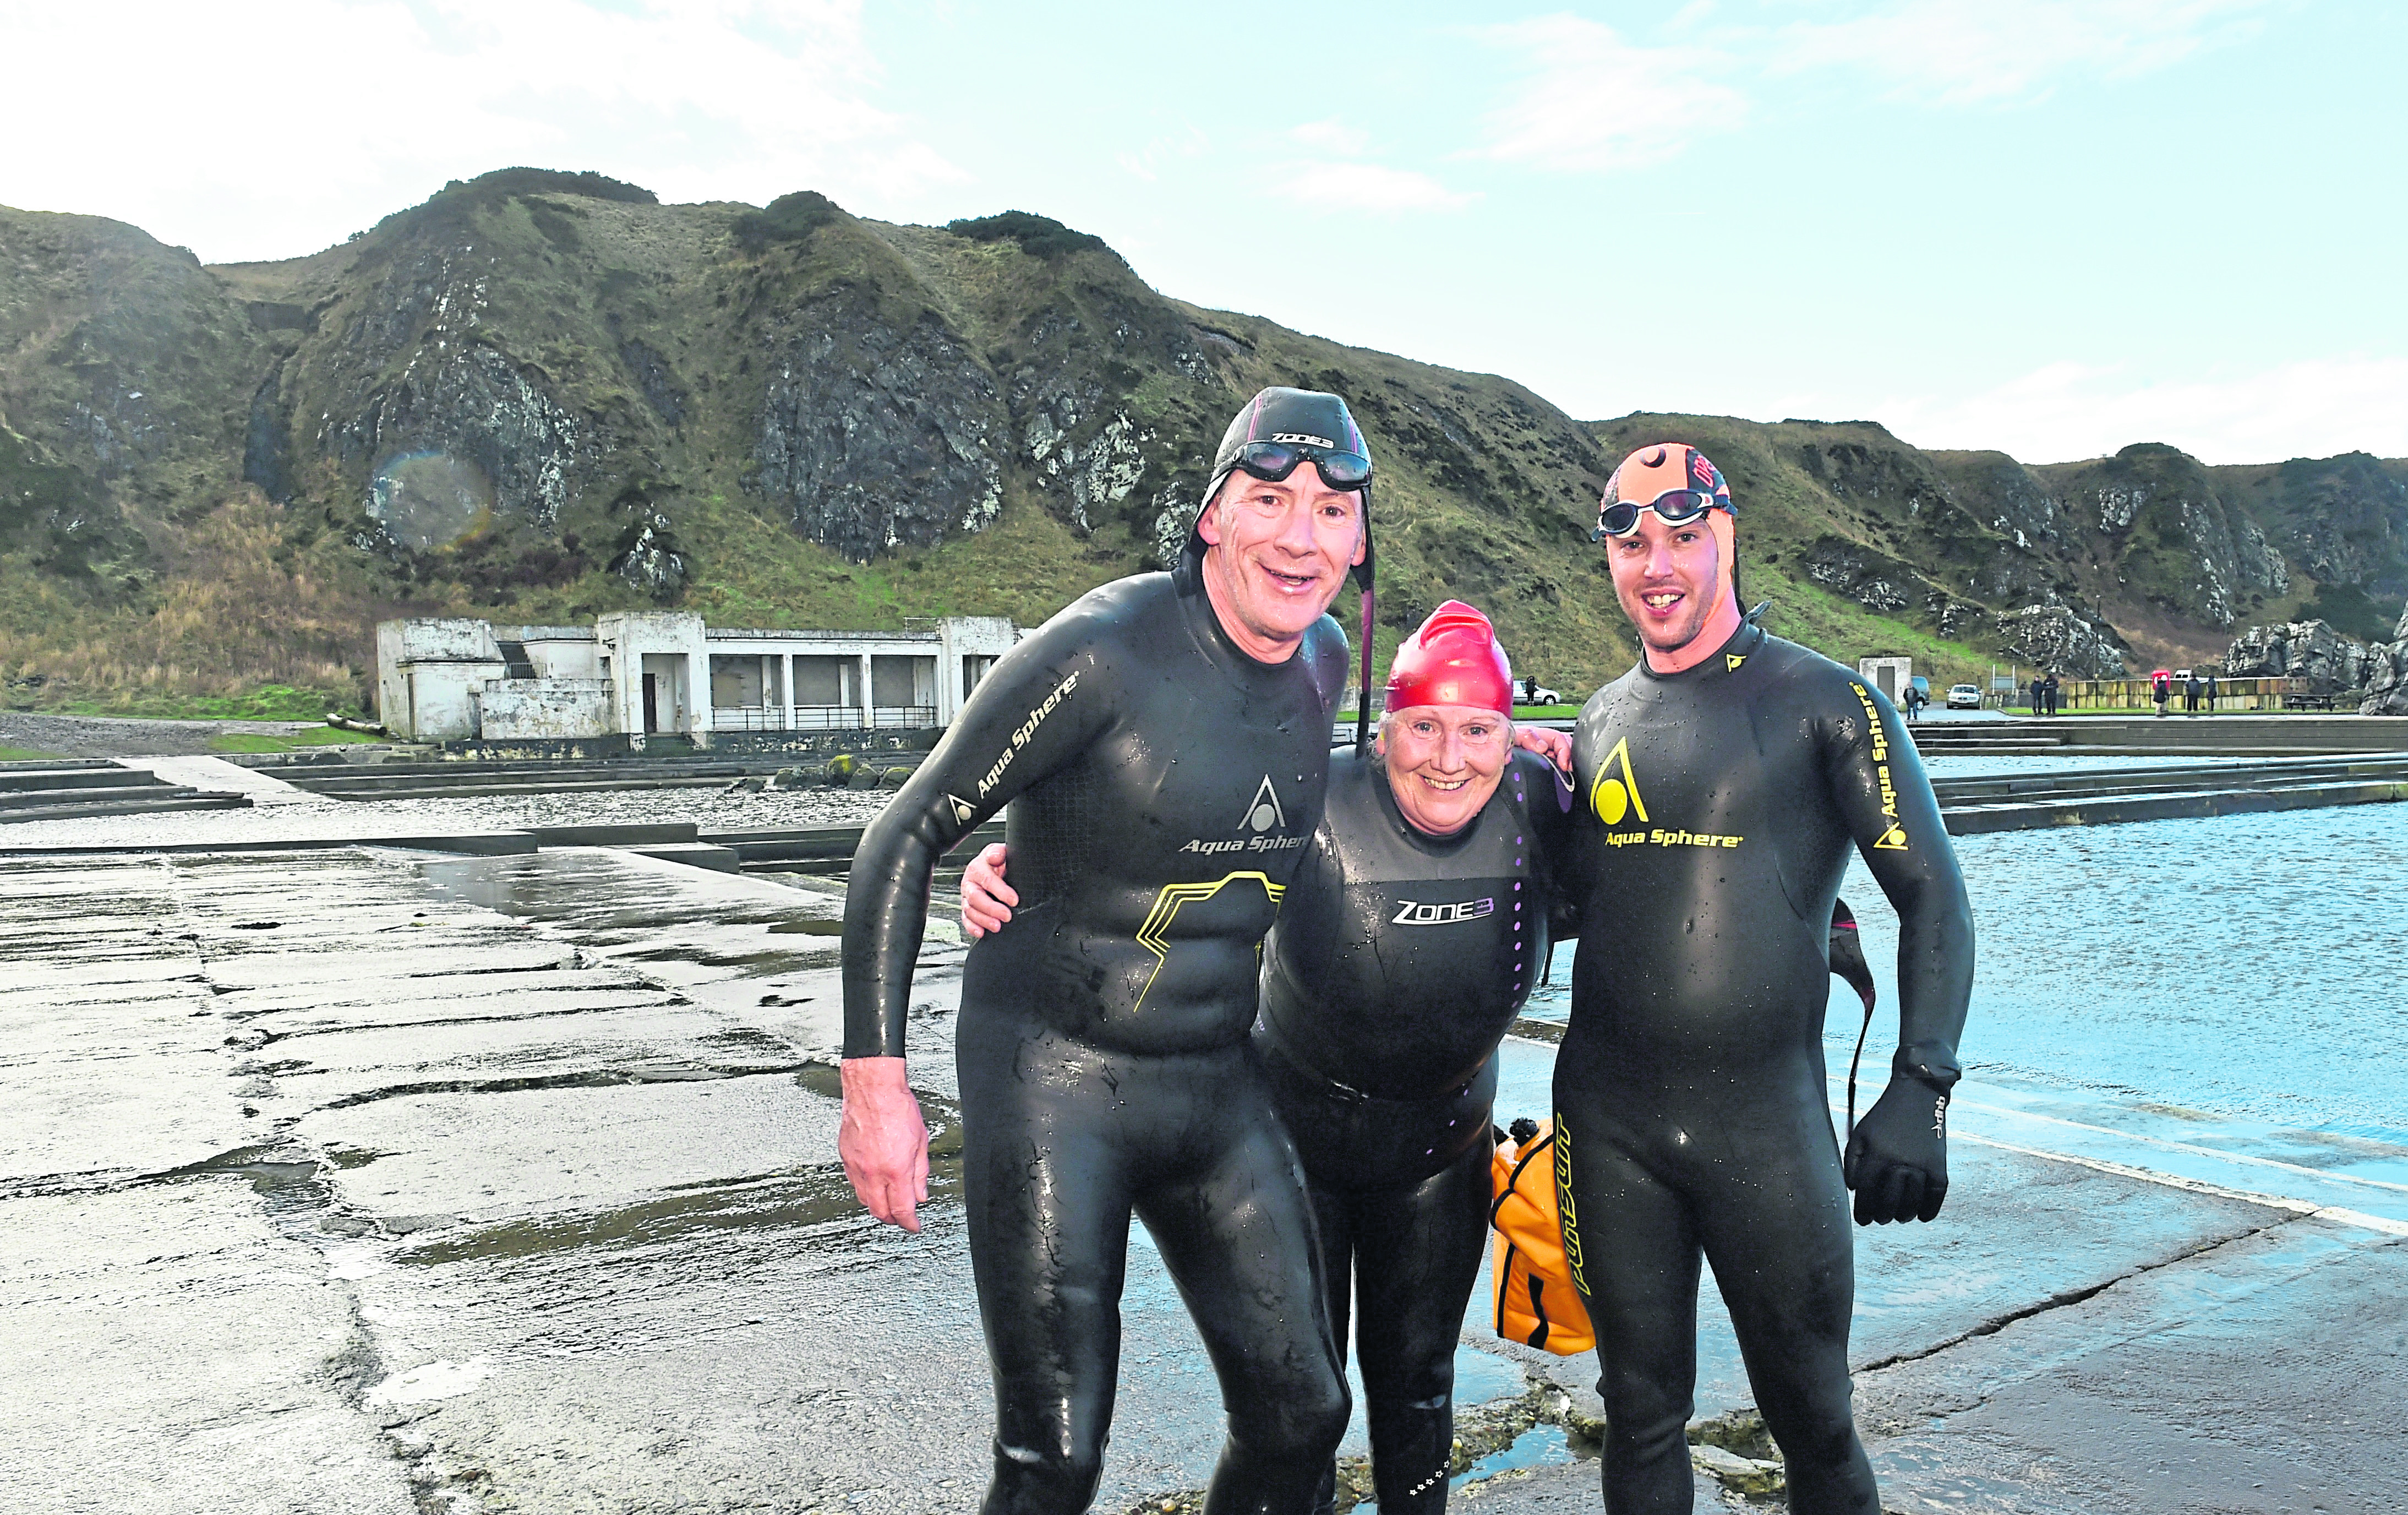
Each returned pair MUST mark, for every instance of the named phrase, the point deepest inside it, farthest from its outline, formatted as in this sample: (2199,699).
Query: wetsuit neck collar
(1721,663)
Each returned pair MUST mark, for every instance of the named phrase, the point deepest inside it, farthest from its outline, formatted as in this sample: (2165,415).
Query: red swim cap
(1454,660)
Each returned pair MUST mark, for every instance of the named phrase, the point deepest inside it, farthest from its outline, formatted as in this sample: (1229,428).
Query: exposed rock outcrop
(473,404)
(875,436)
(2052,637)
(650,561)
(2174,538)
(2310,650)
(2387,674)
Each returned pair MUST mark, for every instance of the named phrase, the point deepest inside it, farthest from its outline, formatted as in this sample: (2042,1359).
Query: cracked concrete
(359,1182)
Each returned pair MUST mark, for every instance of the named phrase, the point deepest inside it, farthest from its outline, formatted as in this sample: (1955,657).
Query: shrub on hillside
(503,183)
(790,218)
(1040,237)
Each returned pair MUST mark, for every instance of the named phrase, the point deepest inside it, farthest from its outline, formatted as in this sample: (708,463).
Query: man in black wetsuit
(1407,941)
(1165,741)
(1723,782)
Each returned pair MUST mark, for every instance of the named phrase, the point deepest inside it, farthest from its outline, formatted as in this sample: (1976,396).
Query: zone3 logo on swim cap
(1301,439)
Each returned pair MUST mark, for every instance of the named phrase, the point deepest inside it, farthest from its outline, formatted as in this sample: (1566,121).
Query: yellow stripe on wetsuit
(1176,896)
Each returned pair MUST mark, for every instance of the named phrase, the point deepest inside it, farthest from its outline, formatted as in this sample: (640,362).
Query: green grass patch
(267,703)
(25,754)
(319,736)
(1546,712)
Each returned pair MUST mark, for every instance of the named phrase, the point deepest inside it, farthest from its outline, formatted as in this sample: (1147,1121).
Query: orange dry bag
(1535,1302)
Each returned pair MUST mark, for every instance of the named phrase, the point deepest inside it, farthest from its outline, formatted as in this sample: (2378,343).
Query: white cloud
(1347,187)
(311,118)
(1331,136)
(2313,408)
(1591,101)
(1146,163)
(1963,52)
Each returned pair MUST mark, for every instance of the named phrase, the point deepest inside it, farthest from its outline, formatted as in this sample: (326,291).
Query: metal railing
(819,717)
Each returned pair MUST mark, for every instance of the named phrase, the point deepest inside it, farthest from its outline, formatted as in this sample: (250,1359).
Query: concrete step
(46,778)
(48,801)
(157,806)
(694,854)
(2105,810)
(1971,789)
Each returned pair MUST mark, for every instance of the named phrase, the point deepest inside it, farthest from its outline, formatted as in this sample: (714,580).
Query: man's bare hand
(986,899)
(1553,745)
(883,1141)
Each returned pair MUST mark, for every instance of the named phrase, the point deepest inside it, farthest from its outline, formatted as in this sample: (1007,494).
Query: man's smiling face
(1667,578)
(1278,554)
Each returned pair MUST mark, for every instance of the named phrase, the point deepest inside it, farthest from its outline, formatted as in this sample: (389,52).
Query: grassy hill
(539,396)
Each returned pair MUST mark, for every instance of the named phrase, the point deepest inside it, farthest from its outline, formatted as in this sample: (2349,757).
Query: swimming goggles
(1675,507)
(1274,461)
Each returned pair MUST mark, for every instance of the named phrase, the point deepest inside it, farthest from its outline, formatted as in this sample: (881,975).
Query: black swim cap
(1307,419)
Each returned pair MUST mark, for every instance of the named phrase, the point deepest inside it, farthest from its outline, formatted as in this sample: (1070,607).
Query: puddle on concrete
(810,1203)
(1541,1446)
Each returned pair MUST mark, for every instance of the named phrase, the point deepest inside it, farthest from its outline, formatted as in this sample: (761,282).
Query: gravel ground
(707,809)
(113,736)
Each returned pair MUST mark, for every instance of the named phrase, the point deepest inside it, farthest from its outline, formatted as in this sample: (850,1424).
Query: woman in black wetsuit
(1165,742)
(1407,941)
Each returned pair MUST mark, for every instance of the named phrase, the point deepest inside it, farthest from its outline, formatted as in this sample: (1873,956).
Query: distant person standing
(2050,705)
(2161,688)
(2208,692)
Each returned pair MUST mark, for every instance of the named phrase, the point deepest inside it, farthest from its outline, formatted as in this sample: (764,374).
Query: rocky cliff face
(539,396)
(874,438)
(2387,674)
(2311,650)
(2173,541)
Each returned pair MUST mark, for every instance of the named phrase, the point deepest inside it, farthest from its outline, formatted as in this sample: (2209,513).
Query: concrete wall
(428,670)
(1887,674)
(557,652)
(513,710)
(670,646)
(441,701)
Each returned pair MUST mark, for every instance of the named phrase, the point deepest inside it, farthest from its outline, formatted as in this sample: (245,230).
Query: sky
(2052,227)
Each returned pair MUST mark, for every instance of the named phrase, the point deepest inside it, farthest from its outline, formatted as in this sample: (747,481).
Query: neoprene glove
(1897,1159)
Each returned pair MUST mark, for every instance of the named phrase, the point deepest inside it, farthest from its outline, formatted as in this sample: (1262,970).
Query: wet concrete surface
(362,1180)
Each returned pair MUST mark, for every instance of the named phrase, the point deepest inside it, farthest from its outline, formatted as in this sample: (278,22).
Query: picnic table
(2315,702)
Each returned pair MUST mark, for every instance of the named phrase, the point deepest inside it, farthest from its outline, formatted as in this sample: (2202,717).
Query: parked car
(1543,696)
(1964,697)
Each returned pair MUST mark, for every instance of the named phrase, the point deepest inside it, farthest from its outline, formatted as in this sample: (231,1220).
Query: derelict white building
(635,673)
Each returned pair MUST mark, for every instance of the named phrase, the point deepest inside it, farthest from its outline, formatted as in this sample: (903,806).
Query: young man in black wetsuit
(1165,740)
(1722,783)
(1407,941)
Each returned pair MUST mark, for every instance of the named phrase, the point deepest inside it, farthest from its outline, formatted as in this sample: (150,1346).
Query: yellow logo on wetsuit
(1614,798)
(1894,839)
(1616,795)
(1565,1209)
(1177,897)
